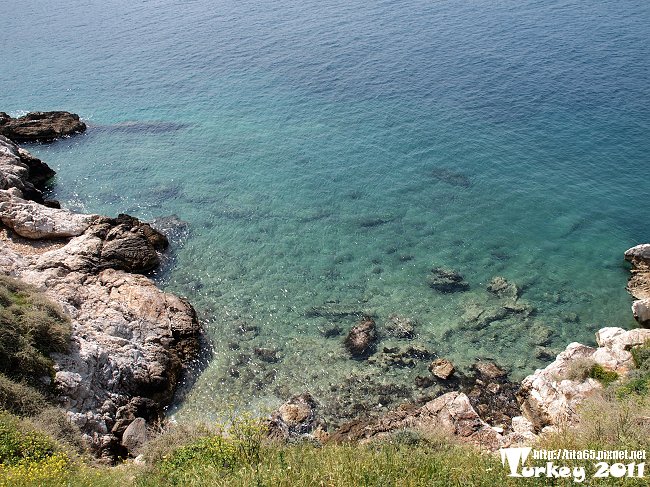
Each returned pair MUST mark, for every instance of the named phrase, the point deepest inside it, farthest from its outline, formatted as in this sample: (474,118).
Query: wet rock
(331,331)
(362,396)
(135,436)
(400,327)
(424,381)
(360,341)
(446,281)
(295,418)
(489,371)
(502,288)
(492,395)
(41,126)
(442,368)
(400,356)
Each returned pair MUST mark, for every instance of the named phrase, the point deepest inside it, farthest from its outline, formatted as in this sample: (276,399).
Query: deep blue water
(336,152)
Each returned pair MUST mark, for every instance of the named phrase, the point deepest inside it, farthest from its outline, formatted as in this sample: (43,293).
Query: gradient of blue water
(291,125)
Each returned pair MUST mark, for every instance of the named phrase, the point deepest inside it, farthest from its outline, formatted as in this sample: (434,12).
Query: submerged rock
(400,356)
(489,370)
(400,327)
(40,126)
(446,280)
(502,288)
(360,341)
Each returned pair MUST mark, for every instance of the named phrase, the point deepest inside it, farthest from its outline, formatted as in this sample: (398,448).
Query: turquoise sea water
(329,155)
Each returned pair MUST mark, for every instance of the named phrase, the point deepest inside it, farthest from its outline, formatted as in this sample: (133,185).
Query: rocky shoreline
(131,343)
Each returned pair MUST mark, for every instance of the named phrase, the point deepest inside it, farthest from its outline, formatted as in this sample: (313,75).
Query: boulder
(123,243)
(32,220)
(442,368)
(135,436)
(360,341)
(41,126)
(295,418)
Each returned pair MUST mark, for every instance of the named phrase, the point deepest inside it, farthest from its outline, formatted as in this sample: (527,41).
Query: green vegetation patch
(31,327)
(602,375)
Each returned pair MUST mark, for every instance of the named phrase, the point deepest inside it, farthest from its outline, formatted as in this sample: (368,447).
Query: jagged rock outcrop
(21,170)
(551,396)
(450,413)
(40,126)
(131,342)
(639,283)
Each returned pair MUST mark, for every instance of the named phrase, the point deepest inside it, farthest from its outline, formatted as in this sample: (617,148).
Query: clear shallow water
(333,154)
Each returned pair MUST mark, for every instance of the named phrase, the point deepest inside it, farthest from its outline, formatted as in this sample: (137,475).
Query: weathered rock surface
(361,338)
(442,368)
(450,413)
(33,220)
(639,283)
(130,341)
(40,126)
(22,171)
(549,397)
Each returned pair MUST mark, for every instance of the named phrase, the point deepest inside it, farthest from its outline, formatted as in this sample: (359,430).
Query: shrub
(580,369)
(20,399)
(641,356)
(602,375)
(31,327)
